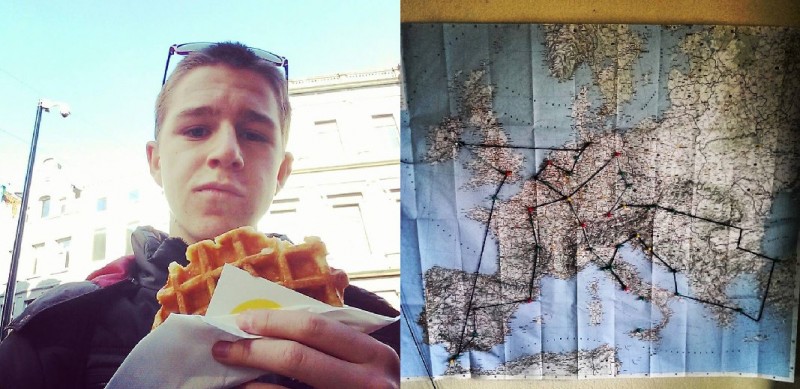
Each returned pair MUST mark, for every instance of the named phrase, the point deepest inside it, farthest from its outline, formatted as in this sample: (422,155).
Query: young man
(222,122)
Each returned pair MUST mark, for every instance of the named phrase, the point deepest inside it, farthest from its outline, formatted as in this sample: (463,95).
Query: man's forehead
(200,90)
(203,76)
(246,114)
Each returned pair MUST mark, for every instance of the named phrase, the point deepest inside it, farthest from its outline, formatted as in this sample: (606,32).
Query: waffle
(299,267)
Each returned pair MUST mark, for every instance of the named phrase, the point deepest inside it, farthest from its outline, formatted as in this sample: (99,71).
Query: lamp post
(8,302)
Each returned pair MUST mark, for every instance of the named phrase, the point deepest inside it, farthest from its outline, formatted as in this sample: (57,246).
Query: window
(133,196)
(63,251)
(62,202)
(38,254)
(45,206)
(394,195)
(281,202)
(128,234)
(326,139)
(352,228)
(99,248)
(347,239)
(380,140)
(101,204)
(386,130)
(283,219)
(391,228)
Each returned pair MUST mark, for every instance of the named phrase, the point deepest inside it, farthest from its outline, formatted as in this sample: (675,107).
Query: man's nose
(225,151)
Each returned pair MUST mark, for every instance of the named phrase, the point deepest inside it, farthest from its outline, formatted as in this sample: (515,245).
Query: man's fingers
(292,359)
(319,332)
(313,349)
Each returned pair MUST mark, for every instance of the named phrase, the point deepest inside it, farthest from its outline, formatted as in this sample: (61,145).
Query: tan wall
(755,12)
(746,12)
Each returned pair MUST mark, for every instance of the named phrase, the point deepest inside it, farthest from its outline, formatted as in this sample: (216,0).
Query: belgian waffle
(299,267)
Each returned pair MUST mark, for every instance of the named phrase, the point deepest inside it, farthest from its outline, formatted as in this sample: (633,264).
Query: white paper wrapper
(177,354)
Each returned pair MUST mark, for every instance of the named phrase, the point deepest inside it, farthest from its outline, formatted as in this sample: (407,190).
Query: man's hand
(318,351)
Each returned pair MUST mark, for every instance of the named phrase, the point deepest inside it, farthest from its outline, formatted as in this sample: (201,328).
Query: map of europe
(584,201)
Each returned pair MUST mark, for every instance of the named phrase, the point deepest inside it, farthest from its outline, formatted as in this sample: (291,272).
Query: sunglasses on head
(188,48)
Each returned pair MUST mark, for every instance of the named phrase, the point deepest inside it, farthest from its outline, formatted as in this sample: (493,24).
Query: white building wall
(345,183)
(43,259)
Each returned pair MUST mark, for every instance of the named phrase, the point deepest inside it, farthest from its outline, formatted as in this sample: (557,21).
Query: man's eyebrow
(250,116)
(197,112)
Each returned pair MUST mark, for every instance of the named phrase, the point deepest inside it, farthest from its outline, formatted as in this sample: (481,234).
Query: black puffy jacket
(77,334)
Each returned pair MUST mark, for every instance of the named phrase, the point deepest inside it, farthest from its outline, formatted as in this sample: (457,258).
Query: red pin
(508,173)
(530,209)
(624,288)
(548,162)
(608,214)
(617,153)
(583,224)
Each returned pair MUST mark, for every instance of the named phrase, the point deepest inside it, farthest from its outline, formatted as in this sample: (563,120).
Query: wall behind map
(739,12)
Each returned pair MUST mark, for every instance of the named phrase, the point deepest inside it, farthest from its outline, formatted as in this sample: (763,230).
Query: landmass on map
(599,362)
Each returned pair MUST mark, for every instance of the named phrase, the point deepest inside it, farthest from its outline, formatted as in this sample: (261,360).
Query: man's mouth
(220,189)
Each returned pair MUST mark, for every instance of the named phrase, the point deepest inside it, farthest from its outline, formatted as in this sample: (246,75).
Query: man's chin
(209,228)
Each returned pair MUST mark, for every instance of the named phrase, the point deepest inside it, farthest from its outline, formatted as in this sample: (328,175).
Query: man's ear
(154,161)
(284,171)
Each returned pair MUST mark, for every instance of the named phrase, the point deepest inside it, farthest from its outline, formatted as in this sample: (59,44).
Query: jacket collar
(154,251)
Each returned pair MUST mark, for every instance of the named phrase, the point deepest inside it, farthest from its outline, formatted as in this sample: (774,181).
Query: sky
(106,60)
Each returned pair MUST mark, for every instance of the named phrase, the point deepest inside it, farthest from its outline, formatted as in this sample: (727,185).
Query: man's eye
(255,136)
(196,132)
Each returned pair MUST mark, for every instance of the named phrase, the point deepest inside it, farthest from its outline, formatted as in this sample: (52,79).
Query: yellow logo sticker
(255,304)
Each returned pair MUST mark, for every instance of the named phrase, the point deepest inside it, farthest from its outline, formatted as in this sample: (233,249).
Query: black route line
(673,210)
(608,265)
(536,249)
(675,271)
(576,157)
(579,187)
(428,369)
(462,143)
(547,184)
(480,258)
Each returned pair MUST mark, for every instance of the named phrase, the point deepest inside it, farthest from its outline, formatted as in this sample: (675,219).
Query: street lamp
(8,302)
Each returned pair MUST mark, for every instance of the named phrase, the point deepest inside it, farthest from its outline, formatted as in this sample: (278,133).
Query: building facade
(344,188)
(10,203)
